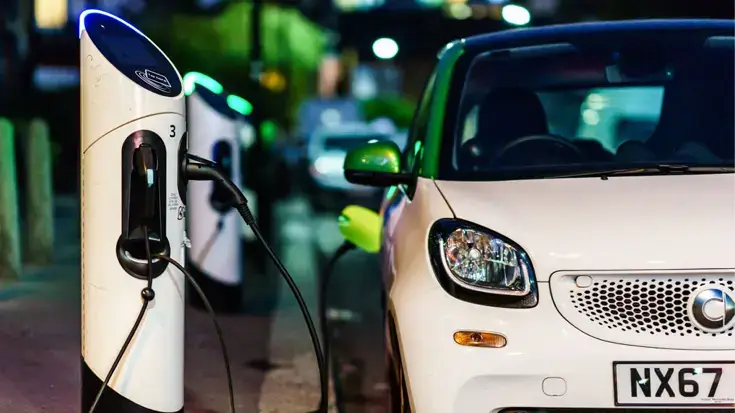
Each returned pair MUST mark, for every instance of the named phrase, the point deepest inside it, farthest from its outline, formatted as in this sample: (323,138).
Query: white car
(527,271)
(326,151)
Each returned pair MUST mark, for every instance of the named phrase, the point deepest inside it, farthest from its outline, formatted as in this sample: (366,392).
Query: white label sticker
(173,202)
(155,80)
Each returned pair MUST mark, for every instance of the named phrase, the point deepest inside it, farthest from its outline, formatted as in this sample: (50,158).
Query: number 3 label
(173,131)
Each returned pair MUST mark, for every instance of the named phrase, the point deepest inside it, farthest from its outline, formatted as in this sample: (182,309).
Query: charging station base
(111,401)
(224,298)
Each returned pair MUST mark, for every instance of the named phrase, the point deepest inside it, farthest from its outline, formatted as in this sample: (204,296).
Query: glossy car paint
(565,225)
(638,225)
(383,157)
(620,223)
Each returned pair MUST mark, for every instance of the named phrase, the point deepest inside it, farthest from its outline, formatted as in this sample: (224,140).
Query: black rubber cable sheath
(136,325)
(326,276)
(323,293)
(247,216)
(218,329)
(204,171)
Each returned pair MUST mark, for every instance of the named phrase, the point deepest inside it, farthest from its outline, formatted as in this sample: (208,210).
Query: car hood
(623,223)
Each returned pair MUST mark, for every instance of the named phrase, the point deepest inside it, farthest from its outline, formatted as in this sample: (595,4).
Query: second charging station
(214,228)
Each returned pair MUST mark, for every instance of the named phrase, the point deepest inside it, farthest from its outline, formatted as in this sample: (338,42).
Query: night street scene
(367,206)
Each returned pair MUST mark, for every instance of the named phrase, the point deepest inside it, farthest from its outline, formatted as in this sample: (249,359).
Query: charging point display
(216,258)
(132,147)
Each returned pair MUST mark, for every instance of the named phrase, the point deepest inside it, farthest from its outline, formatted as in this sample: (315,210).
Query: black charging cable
(323,293)
(206,170)
(148,295)
(211,240)
(218,329)
(326,276)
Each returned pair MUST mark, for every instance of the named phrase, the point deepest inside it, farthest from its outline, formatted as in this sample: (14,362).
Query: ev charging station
(133,141)
(215,229)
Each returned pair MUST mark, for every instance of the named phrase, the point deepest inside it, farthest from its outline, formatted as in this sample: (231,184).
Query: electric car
(326,152)
(529,269)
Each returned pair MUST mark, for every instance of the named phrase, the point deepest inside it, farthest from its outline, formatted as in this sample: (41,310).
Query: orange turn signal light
(480,339)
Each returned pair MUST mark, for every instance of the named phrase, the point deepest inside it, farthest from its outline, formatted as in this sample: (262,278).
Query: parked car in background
(326,151)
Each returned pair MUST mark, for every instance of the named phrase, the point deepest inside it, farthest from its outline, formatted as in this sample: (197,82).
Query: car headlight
(480,266)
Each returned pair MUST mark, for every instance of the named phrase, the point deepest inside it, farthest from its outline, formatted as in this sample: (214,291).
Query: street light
(51,14)
(385,48)
(516,15)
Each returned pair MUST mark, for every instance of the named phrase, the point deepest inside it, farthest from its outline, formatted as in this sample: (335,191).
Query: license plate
(674,383)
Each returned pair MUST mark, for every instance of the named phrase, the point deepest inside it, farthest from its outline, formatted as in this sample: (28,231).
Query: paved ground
(273,365)
(353,300)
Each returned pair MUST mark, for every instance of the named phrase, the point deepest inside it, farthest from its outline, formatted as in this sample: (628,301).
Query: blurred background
(319,77)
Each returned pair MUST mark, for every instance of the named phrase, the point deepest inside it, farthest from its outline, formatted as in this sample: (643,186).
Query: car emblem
(712,309)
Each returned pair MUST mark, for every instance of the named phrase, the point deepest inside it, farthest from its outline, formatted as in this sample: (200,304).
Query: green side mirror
(376,164)
(361,226)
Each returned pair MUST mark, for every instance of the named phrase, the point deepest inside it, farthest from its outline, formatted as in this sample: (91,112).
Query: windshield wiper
(662,169)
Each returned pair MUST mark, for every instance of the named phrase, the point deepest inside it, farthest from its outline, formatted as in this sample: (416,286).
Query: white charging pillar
(215,258)
(131,97)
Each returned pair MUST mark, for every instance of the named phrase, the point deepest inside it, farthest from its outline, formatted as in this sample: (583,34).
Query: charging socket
(143,204)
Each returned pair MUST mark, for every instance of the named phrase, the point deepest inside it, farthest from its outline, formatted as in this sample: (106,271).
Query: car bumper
(547,363)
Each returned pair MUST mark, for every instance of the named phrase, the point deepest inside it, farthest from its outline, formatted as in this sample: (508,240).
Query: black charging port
(135,247)
(183,150)
(220,198)
(144,204)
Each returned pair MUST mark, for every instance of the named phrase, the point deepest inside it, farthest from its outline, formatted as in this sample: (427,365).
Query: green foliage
(287,37)
(220,47)
(399,110)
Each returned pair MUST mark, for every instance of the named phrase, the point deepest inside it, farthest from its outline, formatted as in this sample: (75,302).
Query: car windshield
(562,109)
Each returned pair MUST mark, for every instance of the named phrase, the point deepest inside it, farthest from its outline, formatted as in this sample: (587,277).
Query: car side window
(412,153)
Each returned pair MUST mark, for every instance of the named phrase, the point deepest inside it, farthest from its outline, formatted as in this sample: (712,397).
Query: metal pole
(22,27)
(256,65)
(258,158)
(9,59)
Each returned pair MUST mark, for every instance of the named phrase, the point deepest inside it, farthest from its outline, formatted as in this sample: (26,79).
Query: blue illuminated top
(85,13)
(130,52)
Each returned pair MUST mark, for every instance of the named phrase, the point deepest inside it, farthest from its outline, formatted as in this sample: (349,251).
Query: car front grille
(644,309)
